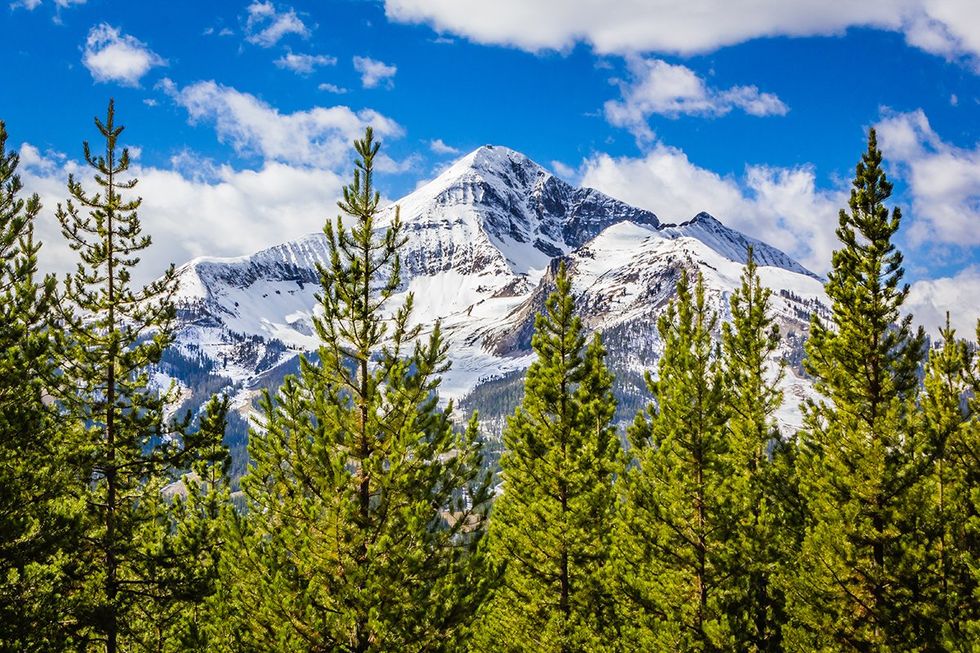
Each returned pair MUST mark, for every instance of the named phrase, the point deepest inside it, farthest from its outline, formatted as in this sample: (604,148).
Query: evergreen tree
(37,514)
(364,504)
(750,342)
(860,584)
(184,556)
(966,453)
(550,528)
(115,334)
(675,536)
(951,506)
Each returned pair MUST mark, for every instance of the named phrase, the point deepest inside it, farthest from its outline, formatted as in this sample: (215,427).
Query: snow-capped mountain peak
(483,241)
(497,197)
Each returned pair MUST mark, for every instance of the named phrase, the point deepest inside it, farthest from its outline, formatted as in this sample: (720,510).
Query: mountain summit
(483,242)
(497,211)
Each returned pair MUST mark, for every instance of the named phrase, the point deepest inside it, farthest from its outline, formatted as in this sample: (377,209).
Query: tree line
(369,520)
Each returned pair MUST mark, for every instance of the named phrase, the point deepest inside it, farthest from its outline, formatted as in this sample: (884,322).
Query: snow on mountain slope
(483,241)
(623,278)
(732,244)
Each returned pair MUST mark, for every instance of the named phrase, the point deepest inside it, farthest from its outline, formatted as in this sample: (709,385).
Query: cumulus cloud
(194,207)
(439,147)
(658,87)
(373,72)
(112,56)
(265,25)
(781,206)
(304,64)
(943,27)
(563,170)
(929,300)
(943,180)
(332,88)
(318,137)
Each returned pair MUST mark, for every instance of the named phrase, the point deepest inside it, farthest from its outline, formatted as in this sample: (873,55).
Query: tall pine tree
(37,513)
(764,542)
(364,504)
(860,584)
(675,539)
(953,479)
(550,529)
(115,334)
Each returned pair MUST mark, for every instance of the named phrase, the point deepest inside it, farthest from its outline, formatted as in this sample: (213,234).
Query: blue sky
(241,112)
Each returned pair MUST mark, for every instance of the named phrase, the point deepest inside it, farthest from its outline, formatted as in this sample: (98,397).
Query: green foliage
(364,504)
(860,583)
(953,499)
(675,541)
(37,513)
(550,529)
(189,543)
(965,451)
(760,478)
(114,334)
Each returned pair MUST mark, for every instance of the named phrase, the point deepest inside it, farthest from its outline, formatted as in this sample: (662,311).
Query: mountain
(483,243)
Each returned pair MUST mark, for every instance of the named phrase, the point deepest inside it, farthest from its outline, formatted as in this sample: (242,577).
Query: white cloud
(946,28)
(112,56)
(319,137)
(194,208)
(31,5)
(304,64)
(31,157)
(265,25)
(658,87)
(781,206)
(563,170)
(943,27)
(411,163)
(373,72)
(929,301)
(214,31)
(439,147)
(332,88)
(943,180)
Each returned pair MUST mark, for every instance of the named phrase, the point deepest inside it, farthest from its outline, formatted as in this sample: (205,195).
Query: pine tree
(966,453)
(752,374)
(675,533)
(944,412)
(550,528)
(364,504)
(859,585)
(184,556)
(37,513)
(115,335)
